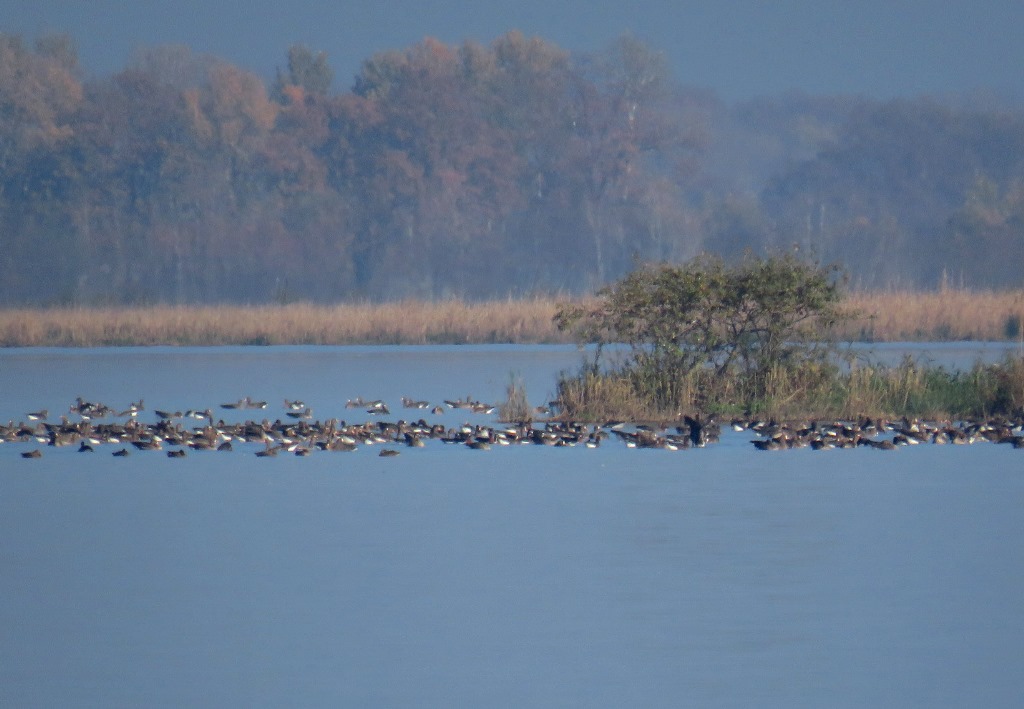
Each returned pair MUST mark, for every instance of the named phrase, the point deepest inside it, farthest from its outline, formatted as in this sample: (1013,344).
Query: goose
(377,407)
(342,444)
(268,452)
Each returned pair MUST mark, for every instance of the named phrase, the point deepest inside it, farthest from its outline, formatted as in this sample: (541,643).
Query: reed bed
(880,317)
(407,322)
(943,315)
(810,392)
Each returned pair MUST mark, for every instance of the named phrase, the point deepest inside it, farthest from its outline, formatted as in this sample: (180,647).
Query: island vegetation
(753,339)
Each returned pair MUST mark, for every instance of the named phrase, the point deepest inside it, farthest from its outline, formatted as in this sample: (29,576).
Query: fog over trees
(477,172)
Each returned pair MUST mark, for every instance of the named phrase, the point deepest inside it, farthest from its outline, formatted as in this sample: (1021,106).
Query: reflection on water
(523,576)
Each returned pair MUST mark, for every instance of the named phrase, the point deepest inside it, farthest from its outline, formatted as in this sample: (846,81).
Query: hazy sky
(740,48)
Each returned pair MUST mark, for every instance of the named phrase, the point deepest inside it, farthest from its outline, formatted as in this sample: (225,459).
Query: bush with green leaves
(714,336)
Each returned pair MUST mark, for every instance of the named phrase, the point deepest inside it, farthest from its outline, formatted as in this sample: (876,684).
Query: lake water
(521,576)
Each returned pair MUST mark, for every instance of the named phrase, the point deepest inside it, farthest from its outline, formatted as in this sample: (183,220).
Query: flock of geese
(884,435)
(90,426)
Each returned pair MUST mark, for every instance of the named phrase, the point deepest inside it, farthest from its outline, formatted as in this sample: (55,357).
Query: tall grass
(593,396)
(882,317)
(946,314)
(818,390)
(515,408)
(407,322)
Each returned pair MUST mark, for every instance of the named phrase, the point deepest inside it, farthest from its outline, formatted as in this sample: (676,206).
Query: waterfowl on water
(768,444)
(35,453)
(133,409)
(377,407)
(700,431)
(413,440)
(245,403)
(299,434)
(88,410)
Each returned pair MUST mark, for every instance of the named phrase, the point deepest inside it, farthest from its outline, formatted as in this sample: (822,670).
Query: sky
(739,48)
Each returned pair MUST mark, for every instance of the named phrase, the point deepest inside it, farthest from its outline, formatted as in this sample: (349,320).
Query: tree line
(472,171)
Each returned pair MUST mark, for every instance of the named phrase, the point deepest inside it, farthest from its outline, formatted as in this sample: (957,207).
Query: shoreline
(940,316)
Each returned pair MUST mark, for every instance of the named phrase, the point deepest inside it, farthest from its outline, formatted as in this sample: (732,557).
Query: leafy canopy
(705,317)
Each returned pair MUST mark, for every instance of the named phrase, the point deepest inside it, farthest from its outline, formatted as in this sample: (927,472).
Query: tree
(627,135)
(39,96)
(306,70)
(728,329)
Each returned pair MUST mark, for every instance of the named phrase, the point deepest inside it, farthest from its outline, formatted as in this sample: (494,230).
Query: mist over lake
(523,576)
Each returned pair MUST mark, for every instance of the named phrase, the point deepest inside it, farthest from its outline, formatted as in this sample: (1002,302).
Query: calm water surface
(523,576)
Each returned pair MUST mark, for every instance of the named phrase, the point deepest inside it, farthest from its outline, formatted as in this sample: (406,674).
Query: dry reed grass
(884,317)
(392,323)
(947,314)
